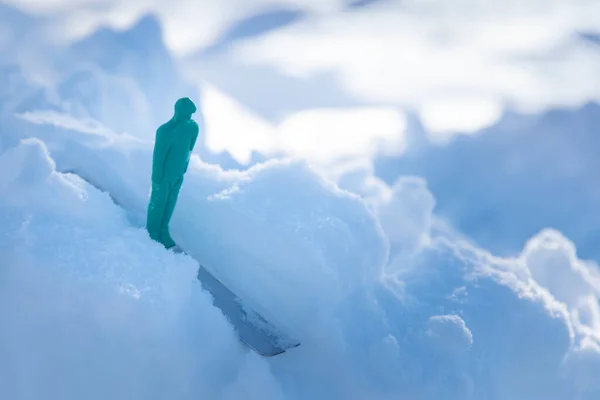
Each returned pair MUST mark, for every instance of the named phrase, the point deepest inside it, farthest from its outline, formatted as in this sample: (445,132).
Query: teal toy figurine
(173,147)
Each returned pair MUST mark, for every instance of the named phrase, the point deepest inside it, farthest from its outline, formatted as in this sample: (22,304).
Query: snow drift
(91,307)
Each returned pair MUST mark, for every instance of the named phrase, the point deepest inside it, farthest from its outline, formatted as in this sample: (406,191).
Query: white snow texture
(388,302)
(92,308)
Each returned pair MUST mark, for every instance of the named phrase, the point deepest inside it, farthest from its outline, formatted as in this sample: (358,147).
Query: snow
(460,65)
(388,300)
(72,245)
(187,25)
(92,308)
(324,136)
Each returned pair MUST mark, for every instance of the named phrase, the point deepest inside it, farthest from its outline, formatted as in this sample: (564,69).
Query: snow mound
(90,306)
(307,235)
(386,303)
(261,231)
